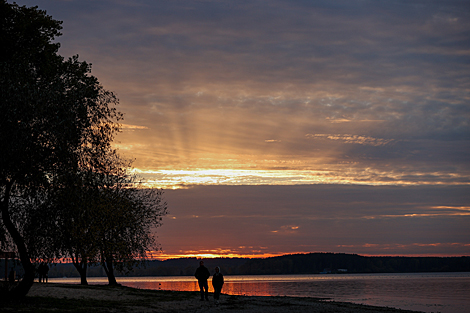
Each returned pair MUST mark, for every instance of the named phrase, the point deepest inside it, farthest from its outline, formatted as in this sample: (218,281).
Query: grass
(132,300)
(47,304)
(140,298)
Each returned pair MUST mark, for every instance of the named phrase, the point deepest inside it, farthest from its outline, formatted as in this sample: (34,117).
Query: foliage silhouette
(56,119)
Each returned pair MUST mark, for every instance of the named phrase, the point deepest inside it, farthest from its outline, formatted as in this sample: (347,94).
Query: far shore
(55,297)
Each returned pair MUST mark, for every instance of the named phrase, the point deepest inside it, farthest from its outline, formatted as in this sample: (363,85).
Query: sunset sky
(290,126)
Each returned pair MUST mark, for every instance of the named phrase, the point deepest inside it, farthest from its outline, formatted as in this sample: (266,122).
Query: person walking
(40,272)
(202,275)
(45,273)
(217,283)
(11,276)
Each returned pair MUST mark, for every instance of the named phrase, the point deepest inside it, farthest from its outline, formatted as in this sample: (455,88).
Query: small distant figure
(11,276)
(43,272)
(202,275)
(217,283)
(40,271)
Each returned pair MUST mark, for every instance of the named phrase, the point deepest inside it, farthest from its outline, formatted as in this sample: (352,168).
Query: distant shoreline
(310,263)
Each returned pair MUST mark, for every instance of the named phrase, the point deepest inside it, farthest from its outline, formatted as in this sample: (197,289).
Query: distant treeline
(312,263)
(352,263)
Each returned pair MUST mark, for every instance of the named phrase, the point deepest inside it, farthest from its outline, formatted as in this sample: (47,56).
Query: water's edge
(427,292)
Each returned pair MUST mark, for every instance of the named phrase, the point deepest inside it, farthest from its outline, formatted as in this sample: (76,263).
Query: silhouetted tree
(55,118)
(130,216)
(74,204)
(104,218)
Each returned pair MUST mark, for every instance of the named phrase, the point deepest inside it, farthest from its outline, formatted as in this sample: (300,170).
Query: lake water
(426,292)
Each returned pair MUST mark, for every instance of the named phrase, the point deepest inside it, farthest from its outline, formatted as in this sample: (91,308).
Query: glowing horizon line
(185,178)
(164,257)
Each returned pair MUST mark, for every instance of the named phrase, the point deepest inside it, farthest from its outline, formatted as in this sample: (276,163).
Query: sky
(282,127)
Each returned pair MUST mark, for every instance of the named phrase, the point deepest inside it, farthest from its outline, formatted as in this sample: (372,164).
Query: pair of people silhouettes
(43,271)
(202,275)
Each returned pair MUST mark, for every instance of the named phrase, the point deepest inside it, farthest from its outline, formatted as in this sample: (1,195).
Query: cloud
(290,126)
(355,139)
(352,219)
(286,229)
(240,84)
(127,127)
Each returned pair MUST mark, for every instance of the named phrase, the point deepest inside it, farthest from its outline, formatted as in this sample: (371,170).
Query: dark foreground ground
(76,298)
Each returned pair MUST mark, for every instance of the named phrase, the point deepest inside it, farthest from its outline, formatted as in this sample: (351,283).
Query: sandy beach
(100,298)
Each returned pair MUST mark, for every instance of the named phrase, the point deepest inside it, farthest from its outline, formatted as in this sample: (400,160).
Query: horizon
(248,257)
(290,126)
(202,257)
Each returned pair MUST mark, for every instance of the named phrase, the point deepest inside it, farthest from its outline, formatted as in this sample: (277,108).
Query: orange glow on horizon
(182,179)
(163,257)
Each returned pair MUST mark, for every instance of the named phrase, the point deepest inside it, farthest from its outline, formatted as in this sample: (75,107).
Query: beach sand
(101,298)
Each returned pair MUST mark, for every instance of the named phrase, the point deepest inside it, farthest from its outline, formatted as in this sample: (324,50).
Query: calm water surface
(426,292)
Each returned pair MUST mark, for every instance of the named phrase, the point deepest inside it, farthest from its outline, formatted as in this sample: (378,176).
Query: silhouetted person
(217,283)
(41,272)
(202,274)
(45,273)
(11,276)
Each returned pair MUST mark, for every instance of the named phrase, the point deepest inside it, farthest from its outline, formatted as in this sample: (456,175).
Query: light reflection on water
(427,292)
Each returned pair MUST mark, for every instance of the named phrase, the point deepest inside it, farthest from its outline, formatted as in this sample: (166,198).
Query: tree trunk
(109,269)
(25,284)
(81,267)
